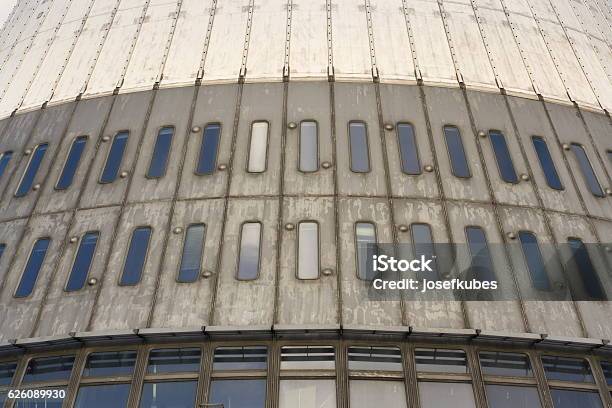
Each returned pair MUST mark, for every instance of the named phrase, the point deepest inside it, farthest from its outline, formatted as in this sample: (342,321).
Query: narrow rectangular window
(534,261)
(72,163)
(258,147)
(408,149)
(308,250)
(546,162)
(365,241)
(459,164)
(502,156)
(30,173)
(482,265)
(606,367)
(159,161)
(2,248)
(32,268)
(587,170)
(586,270)
(309,146)
(136,256)
(505,364)
(609,153)
(358,146)
(191,260)
(82,261)
(422,242)
(5,158)
(208,149)
(248,259)
(115,156)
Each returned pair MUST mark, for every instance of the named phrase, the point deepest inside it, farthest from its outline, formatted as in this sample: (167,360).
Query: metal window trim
(81,137)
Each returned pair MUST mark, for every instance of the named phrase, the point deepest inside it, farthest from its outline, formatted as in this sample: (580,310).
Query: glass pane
(573,399)
(82,261)
(482,265)
(308,250)
(365,237)
(547,164)
(103,396)
(506,396)
(30,173)
(175,360)
(241,358)
(5,158)
(586,270)
(72,163)
(32,268)
(609,153)
(55,368)
(308,357)
(2,398)
(441,360)
(157,167)
(408,149)
(459,164)
(436,395)
(503,158)
(238,393)
(587,171)
(42,402)
(113,161)
(191,260)
(375,358)
(606,366)
(358,146)
(258,148)
(307,394)
(309,146)
(248,259)
(177,394)
(422,242)
(110,363)
(533,258)
(136,256)
(510,364)
(7,370)
(372,394)
(2,248)
(567,369)
(208,149)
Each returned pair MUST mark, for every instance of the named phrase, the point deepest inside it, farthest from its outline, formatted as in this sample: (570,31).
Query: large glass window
(574,398)
(512,396)
(106,367)
(173,394)
(110,364)
(159,161)
(72,163)
(505,364)
(408,149)
(586,270)
(372,393)
(100,396)
(114,158)
(375,358)
(30,173)
(7,370)
(239,393)
(441,360)
(5,158)
(456,153)
(308,250)
(567,369)
(193,247)
(82,261)
(440,394)
(502,156)
(41,402)
(546,162)
(534,261)
(358,147)
(309,146)
(365,240)
(174,360)
(606,367)
(587,170)
(208,149)
(481,266)
(240,358)
(136,256)
(32,268)
(422,242)
(248,259)
(307,393)
(258,147)
(56,368)
(311,392)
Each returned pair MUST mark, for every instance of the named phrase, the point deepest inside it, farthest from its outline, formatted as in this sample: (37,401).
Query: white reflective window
(307,394)
(439,394)
(370,393)
(365,240)
(308,250)
(258,147)
(309,146)
(248,259)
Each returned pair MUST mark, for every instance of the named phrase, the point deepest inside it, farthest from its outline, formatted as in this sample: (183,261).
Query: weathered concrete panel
(8,232)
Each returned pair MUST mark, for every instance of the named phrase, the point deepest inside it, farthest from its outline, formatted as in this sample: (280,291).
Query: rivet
(27,152)
(525,177)
(326,165)
(92,281)
(289,226)
(222,167)
(73,240)
(178,230)
(609,191)
(327,271)
(291,125)
(482,134)
(403,228)
(206,274)
(36,187)
(123,174)
(511,235)
(388,126)
(196,129)
(565,146)
(105,138)
(428,168)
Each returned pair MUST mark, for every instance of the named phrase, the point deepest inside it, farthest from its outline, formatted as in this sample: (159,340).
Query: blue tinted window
(110,363)
(56,368)
(72,163)
(239,393)
(136,256)
(157,167)
(505,364)
(103,396)
(408,149)
(2,248)
(482,265)
(422,240)
(32,268)
(5,158)
(502,155)
(191,260)
(365,241)
(587,171)
(30,173)
(248,259)
(174,360)
(113,161)
(459,164)
(533,258)
(567,369)
(208,149)
(358,146)
(7,370)
(547,164)
(178,394)
(82,261)
(586,270)
(606,367)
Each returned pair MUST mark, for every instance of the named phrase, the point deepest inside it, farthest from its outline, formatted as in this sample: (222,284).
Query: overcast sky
(6,6)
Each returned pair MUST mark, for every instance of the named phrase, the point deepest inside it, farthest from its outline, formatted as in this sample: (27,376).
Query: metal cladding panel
(117,50)
(18,315)
(240,302)
(351,49)
(308,56)
(64,312)
(174,301)
(13,27)
(601,24)
(266,53)
(228,41)
(136,300)
(426,310)
(600,128)
(313,301)
(8,231)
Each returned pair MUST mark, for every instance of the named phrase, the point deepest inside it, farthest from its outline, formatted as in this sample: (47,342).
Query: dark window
(102,396)
(174,360)
(2,248)
(574,398)
(110,364)
(512,396)
(505,364)
(30,173)
(587,170)
(534,261)
(238,393)
(586,270)
(308,250)
(208,149)
(113,161)
(7,370)
(55,368)
(32,268)
(546,162)
(606,367)
(358,146)
(609,153)
(503,158)
(136,256)
(422,242)
(567,369)
(374,358)
(482,265)
(365,246)
(440,360)
(5,158)
(241,358)
(309,146)
(459,164)
(72,163)
(408,149)
(308,357)
(159,161)
(169,394)
(82,261)
(248,258)
(258,147)
(191,260)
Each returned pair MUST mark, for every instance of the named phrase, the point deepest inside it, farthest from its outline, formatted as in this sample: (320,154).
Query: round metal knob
(289,226)
(525,177)
(403,228)
(123,174)
(207,274)
(482,134)
(105,138)
(565,146)
(326,165)
(511,235)
(388,126)
(92,281)
(177,230)
(73,240)
(27,152)
(327,271)
(196,129)
(428,168)
(222,167)
(36,187)
(609,191)
(291,125)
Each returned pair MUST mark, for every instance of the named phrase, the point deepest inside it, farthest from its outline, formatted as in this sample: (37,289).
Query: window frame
(248,155)
(360,221)
(27,168)
(199,156)
(59,177)
(367,145)
(416,149)
(237,273)
(297,250)
(590,166)
(11,154)
(108,153)
(74,256)
(449,155)
(180,260)
(499,167)
(167,158)
(541,138)
(487,242)
(125,255)
(537,242)
(318,140)
(47,237)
